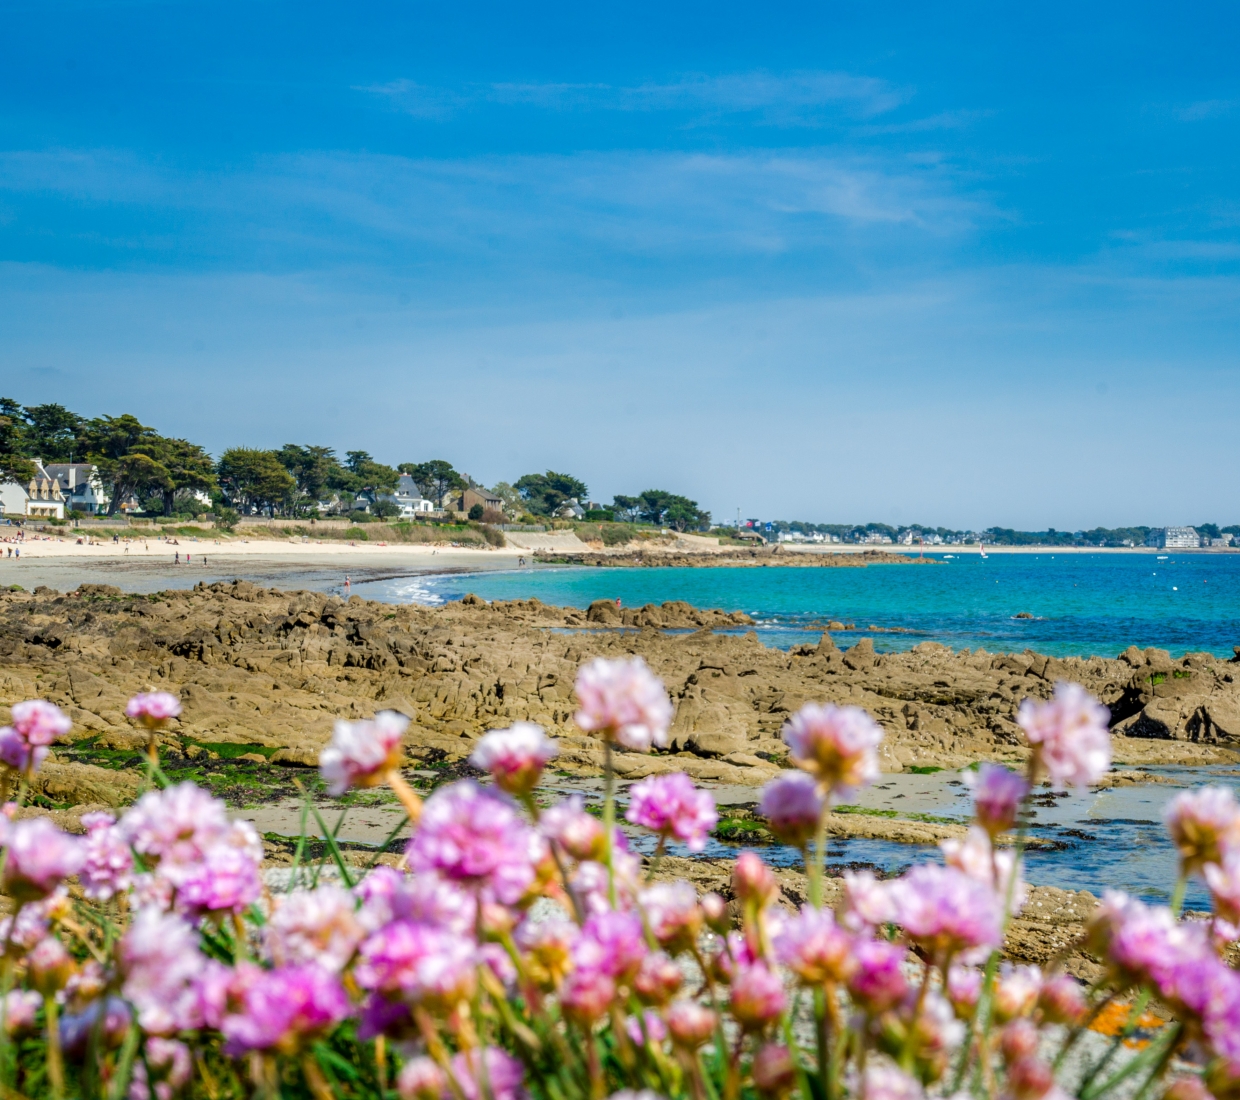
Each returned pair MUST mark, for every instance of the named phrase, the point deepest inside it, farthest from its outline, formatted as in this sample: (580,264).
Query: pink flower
(1069,735)
(421,964)
(421,1079)
(885,1082)
(1205,826)
(474,837)
(548,948)
(154,709)
(568,824)
(175,826)
(504,1075)
(878,982)
(285,1008)
(107,861)
(21,1007)
(171,1065)
(690,1023)
(319,926)
(589,882)
(586,995)
(977,859)
(428,898)
(623,701)
(1062,1000)
(792,805)
(515,757)
(815,948)
(39,722)
(361,754)
(997,795)
(757,997)
(160,960)
(774,1070)
(646,1028)
(753,881)
(838,745)
(1223,879)
(672,913)
(945,911)
(1016,991)
(227,880)
(673,807)
(50,965)
(611,943)
(964,987)
(867,901)
(18,753)
(657,979)
(40,857)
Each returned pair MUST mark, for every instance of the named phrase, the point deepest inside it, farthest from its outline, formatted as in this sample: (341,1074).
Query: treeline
(170,476)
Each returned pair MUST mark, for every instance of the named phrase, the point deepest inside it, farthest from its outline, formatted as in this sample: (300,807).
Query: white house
(408,498)
(40,498)
(1174,538)
(81,486)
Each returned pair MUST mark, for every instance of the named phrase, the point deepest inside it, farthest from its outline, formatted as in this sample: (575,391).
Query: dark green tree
(544,493)
(190,469)
(52,433)
(315,469)
(626,508)
(107,440)
(435,479)
(661,508)
(255,479)
(14,466)
(370,478)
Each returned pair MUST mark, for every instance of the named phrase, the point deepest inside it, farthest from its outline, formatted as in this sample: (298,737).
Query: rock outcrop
(273,670)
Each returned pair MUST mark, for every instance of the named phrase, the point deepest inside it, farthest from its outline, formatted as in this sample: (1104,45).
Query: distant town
(57,468)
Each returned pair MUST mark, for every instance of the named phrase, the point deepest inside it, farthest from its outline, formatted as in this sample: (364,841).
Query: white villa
(39,498)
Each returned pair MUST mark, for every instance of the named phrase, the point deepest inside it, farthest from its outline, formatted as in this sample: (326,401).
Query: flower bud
(690,1024)
(964,988)
(753,881)
(792,805)
(50,965)
(997,795)
(421,1079)
(586,995)
(1029,1078)
(757,997)
(715,910)
(515,757)
(878,982)
(657,979)
(1016,992)
(1018,1040)
(774,1070)
(1062,1001)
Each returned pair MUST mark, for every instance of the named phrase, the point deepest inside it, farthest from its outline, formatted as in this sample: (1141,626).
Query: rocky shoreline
(764,556)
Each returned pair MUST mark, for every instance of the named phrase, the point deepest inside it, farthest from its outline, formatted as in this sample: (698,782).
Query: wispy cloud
(787,99)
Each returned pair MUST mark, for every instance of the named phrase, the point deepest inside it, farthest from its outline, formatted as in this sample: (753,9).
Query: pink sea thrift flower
(1062,1000)
(611,943)
(646,1028)
(504,1075)
(171,1065)
(672,913)
(284,1008)
(997,795)
(40,857)
(21,1007)
(753,881)
(1205,826)
(418,963)
(792,805)
(576,831)
(1223,879)
(361,754)
(226,881)
(774,1070)
(690,1024)
(40,722)
(160,960)
(153,709)
(658,979)
(586,995)
(589,882)
(867,901)
(421,1079)
(515,757)
(977,858)
(945,911)
(548,948)
(175,826)
(964,988)
(107,864)
(475,838)
(1069,735)
(623,701)
(815,948)
(388,895)
(885,1082)
(878,983)
(673,807)
(758,997)
(838,745)
(1016,991)
(319,926)
(19,754)
(50,965)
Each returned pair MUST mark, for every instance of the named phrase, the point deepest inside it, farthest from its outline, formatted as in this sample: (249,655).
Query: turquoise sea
(1082,604)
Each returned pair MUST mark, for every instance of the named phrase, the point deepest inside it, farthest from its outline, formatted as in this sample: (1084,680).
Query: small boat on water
(981,549)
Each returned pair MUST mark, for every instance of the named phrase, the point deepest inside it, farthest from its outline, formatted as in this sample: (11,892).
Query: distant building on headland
(472,496)
(408,498)
(1175,538)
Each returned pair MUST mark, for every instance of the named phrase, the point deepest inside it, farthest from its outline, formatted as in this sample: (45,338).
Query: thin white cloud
(790,99)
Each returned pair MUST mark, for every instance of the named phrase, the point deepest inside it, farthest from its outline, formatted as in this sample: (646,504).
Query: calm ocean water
(1083,604)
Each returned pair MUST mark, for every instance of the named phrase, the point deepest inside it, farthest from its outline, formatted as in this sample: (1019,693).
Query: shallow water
(1082,604)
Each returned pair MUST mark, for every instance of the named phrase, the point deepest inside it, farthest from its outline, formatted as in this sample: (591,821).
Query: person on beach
(177,559)
(617,603)
(347,587)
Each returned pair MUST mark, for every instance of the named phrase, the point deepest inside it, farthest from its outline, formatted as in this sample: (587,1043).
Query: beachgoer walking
(617,603)
(346,584)
(177,559)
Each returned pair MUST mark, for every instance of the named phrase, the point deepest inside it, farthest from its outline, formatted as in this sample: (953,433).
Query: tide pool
(1082,604)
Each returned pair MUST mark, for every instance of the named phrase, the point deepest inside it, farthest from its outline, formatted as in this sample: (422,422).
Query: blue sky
(940,263)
